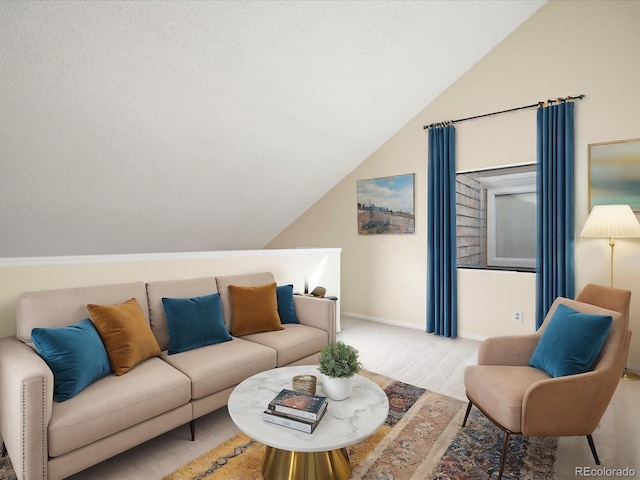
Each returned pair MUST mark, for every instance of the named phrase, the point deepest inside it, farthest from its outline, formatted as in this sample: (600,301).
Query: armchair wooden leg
(592,446)
(192,426)
(505,450)
(4,450)
(466,415)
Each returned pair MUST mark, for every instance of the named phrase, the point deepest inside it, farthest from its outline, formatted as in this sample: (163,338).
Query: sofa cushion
(66,306)
(125,333)
(294,343)
(571,342)
(194,322)
(156,291)
(254,309)
(286,309)
(112,404)
(75,354)
(248,280)
(216,367)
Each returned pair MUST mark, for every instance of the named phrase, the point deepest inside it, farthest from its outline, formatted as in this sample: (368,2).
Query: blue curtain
(555,243)
(442,294)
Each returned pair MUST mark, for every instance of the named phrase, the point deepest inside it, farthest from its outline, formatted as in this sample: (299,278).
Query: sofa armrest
(507,350)
(26,389)
(317,312)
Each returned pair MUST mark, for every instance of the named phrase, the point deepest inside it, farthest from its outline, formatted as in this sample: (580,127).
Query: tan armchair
(523,400)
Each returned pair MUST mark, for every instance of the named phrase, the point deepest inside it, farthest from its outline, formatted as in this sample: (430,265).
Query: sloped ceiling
(131,127)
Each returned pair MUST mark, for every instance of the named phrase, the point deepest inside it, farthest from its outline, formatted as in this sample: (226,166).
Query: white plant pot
(337,388)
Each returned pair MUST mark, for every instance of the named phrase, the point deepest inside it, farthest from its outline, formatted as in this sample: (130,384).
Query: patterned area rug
(6,470)
(421,439)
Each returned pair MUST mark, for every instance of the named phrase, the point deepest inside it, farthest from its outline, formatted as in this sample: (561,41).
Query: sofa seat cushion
(216,367)
(115,403)
(293,343)
(500,390)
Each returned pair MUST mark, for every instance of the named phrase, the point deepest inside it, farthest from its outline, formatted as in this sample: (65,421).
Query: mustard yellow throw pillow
(126,334)
(254,309)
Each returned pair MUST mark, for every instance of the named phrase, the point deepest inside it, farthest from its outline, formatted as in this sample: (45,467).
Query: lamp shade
(611,221)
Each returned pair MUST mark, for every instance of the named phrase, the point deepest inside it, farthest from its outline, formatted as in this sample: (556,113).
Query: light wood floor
(411,356)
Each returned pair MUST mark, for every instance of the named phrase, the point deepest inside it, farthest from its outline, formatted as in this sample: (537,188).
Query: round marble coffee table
(295,455)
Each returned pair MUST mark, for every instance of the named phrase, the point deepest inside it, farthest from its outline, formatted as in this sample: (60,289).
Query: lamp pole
(611,244)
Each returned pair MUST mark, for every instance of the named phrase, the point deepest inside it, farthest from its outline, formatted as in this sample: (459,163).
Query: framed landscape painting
(614,173)
(386,205)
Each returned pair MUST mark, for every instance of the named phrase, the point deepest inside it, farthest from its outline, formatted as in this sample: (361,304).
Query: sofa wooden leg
(4,450)
(505,450)
(592,446)
(192,426)
(466,415)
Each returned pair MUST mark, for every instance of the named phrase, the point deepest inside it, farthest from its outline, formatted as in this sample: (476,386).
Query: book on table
(296,423)
(296,404)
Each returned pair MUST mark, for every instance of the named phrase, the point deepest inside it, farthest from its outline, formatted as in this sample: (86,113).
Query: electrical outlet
(516,316)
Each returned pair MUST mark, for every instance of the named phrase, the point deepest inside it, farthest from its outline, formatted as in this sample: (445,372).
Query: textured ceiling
(132,127)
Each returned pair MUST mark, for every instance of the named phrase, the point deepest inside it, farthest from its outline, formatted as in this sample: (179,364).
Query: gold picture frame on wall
(614,173)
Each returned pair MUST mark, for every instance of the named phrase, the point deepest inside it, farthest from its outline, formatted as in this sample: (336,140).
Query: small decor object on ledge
(318,292)
(304,384)
(339,362)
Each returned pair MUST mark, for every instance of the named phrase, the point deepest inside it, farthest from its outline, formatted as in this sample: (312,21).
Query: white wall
(319,266)
(566,48)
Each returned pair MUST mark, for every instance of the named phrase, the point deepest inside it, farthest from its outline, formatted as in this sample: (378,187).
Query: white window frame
(492,259)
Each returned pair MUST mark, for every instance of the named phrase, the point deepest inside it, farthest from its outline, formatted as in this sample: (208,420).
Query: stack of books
(296,410)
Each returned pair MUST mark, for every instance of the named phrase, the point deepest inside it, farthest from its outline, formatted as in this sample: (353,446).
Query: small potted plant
(338,364)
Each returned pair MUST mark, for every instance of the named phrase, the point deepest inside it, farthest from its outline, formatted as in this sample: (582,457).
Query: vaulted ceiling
(132,127)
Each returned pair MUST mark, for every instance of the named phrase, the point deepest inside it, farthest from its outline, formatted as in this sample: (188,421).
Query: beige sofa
(46,439)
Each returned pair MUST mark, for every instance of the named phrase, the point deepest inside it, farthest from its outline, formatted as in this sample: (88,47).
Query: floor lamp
(613,221)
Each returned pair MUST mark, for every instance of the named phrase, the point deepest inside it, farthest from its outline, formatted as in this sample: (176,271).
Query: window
(496,218)
(511,227)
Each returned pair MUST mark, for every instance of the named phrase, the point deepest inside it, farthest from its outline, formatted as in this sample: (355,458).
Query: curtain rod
(538,104)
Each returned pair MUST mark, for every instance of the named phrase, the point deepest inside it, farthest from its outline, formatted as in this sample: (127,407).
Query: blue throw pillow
(571,342)
(285,304)
(75,354)
(194,322)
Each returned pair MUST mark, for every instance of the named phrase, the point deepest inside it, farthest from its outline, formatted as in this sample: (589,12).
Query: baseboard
(404,325)
(383,320)
(634,366)
(479,338)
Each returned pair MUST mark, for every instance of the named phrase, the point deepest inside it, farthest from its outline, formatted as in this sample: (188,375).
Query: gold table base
(283,464)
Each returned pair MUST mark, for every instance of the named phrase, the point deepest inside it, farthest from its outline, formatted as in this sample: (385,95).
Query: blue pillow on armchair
(571,342)
(75,354)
